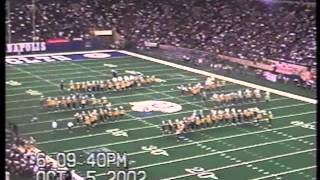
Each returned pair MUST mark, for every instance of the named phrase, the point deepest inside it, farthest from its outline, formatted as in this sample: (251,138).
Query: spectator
(252,29)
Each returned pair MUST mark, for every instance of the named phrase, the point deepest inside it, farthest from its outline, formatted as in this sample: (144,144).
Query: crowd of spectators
(21,156)
(18,161)
(251,29)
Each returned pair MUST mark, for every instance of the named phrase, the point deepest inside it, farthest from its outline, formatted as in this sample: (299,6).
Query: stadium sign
(97,55)
(150,44)
(57,57)
(35,60)
(160,106)
(26,47)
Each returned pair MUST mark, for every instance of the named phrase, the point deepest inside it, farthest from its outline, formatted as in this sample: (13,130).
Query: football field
(245,151)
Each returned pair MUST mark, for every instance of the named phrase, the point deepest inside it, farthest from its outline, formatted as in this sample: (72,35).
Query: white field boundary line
(124,96)
(160,136)
(223,167)
(222,138)
(284,173)
(286,94)
(124,120)
(65,53)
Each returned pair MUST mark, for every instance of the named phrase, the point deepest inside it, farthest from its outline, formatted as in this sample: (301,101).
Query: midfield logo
(160,106)
(97,55)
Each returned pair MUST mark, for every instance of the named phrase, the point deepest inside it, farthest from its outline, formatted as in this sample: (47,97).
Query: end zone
(57,57)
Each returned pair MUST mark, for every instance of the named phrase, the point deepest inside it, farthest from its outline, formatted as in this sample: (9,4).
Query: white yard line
(284,173)
(220,168)
(159,136)
(197,71)
(36,76)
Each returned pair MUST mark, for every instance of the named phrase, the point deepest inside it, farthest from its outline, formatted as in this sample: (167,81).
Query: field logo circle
(160,106)
(97,55)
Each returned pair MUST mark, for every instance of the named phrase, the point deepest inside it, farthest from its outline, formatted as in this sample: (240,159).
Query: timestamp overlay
(115,166)
(134,146)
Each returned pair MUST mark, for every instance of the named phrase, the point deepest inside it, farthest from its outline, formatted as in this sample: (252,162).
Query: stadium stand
(252,30)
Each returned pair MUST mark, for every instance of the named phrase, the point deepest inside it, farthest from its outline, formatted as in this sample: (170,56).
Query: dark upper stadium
(242,28)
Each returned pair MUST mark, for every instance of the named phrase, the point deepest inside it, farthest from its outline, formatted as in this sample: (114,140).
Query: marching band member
(204,96)
(257,94)
(109,84)
(247,95)
(70,126)
(63,102)
(164,127)
(208,120)
(61,85)
(270,118)
(54,125)
(198,122)
(267,96)
(100,115)
(180,128)
(121,111)
(240,115)
(171,128)
(77,117)
(71,86)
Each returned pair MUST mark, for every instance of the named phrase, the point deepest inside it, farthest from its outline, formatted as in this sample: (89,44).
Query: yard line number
(110,65)
(117,132)
(33,92)
(302,124)
(13,83)
(202,173)
(154,150)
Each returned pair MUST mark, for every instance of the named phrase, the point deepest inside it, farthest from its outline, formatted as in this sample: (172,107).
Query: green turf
(219,148)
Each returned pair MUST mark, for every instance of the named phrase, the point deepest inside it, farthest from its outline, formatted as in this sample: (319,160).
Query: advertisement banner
(270,76)
(25,47)
(150,44)
(289,69)
(57,40)
(102,33)
(249,63)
